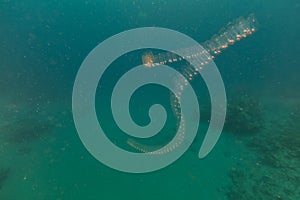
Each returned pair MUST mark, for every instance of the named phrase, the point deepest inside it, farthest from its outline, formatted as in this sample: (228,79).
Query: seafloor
(42,158)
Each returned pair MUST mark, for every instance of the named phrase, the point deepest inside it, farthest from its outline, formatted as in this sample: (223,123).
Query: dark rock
(28,130)
(4,172)
(244,115)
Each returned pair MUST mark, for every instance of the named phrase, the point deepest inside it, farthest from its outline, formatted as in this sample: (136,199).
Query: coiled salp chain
(234,32)
(184,100)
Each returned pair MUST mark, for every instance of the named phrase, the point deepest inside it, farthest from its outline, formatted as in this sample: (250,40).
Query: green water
(43,44)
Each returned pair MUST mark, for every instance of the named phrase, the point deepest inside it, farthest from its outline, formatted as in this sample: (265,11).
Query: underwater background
(42,46)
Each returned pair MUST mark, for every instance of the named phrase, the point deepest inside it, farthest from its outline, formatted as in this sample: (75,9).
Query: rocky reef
(274,173)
